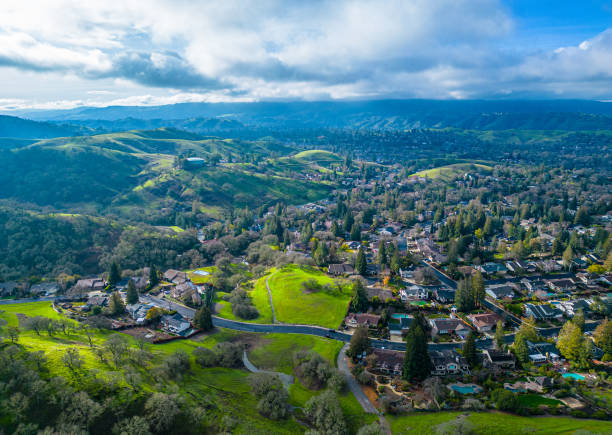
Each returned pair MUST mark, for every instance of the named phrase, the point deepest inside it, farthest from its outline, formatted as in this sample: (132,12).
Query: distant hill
(18,128)
(383,114)
(207,126)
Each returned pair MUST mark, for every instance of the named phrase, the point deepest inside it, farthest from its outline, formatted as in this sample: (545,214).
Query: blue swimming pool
(399,316)
(465,389)
(576,376)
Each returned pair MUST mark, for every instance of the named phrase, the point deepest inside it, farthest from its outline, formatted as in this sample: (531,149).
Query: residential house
(353,245)
(175,276)
(181,290)
(8,288)
(389,361)
(90,284)
(517,266)
(45,288)
(448,362)
(499,359)
(538,383)
(175,324)
(138,311)
(414,292)
(340,269)
(363,319)
(406,273)
(484,322)
(542,312)
(533,284)
(549,266)
(100,300)
(543,352)
(571,307)
(500,291)
(401,327)
(561,285)
(448,326)
(491,268)
(444,295)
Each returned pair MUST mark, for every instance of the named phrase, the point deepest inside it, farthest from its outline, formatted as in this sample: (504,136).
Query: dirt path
(285,378)
(271,303)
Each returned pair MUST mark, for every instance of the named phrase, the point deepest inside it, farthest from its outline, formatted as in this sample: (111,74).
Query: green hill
(446,173)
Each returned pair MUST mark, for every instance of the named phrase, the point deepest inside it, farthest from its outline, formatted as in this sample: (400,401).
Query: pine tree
(335,229)
(153,277)
(464,296)
(361,264)
(382,254)
(395,263)
(132,293)
(499,336)
(203,319)
(355,233)
(521,350)
(114,275)
(579,319)
(348,221)
(479,287)
(359,302)
(417,364)
(469,350)
(568,256)
(115,304)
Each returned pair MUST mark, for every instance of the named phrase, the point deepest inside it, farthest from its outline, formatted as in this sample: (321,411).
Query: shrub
(311,368)
(205,357)
(364,378)
(505,400)
(273,398)
(229,354)
(337,381)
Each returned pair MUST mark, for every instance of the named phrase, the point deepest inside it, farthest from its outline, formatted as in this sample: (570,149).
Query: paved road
(352,383)
(23,301)
(496,309)
(286,379)
(442,277)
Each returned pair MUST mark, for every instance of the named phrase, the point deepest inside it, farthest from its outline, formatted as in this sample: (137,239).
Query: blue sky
(70,53)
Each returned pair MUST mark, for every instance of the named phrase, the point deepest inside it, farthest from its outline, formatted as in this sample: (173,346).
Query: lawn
(222,392)
(196,278)
(495,423)
(445,173)
(535,400)
(261,301)
(293,305)
(275,351)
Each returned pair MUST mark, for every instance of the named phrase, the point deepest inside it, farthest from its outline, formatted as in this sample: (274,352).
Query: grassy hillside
(220,391)
(294,304)
(446,173)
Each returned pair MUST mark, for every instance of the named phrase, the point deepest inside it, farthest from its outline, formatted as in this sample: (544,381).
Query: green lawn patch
(535,400)
(495,423)
(294,305)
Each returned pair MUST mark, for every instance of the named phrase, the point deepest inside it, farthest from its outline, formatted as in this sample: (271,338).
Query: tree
(115,304)
(13,333)
(479,287)
(603,338)
(464,296)
(370,429)
(505,400)
(203,319)
(355,234)
(162,411)
(335,229)
(528,331)
(360,342)
(114,275)
(417,365)
(117,345)
(132,426)
(570,341)
(568,256)
(579,319)
(153,277)
(273,398)
(521,350)
(72,359)
(469,350)
(499,336)
(348,221)
(325,414)
(359,302)
(382,254)
(132,293)
(361,264)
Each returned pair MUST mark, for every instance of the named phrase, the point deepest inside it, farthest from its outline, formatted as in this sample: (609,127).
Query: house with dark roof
(571,307)
(389,361)
(355,320)
(448,362)
(491,268)
(175,276)
(340,269)
(444,296)
(500,291)
(448,326)
(542,312)
(90,284)
(540,353)
(562,285)
(45,288)
(484,322)
(8,288)
(175,324)
(499,359)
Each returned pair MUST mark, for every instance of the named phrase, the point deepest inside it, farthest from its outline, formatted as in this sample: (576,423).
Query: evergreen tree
(499,336)
(469,350)
(203,319)
(464,298)
(361,264)
(568,256)
(114,275)
(579,319)
(355,233)
(479,287)
(360,342)
(382,254)
(521,350)
(348,221)
(132,293)
(335,229)
(395,263)
(153,277)
(417,365)
(115,304)
(359,302)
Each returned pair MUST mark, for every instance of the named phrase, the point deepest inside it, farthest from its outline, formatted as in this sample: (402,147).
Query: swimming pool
(465,389)
(575,376)
(400,316)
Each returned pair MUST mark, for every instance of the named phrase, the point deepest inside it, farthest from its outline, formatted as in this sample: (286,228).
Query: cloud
(269,49)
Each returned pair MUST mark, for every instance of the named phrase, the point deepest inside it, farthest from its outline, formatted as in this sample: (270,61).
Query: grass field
(445,173)
(223,392)
(261,301)
(293,305)
(535,400)
(494,423)
(275,351)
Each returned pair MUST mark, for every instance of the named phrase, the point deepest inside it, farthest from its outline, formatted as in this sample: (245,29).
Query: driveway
(353,384)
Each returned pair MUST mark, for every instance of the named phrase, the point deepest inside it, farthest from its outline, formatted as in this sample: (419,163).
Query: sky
(70,53)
